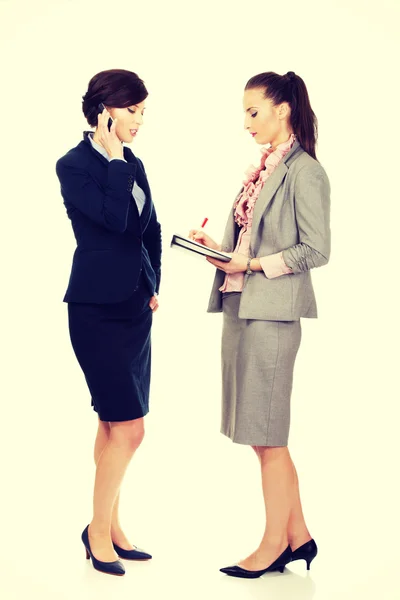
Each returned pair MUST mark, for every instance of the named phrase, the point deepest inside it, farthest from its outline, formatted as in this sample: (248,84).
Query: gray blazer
(292,214)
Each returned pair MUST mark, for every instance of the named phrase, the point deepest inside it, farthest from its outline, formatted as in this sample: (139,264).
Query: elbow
(324,255)
(324,259)
(115,225)
(120,228)
(316,258)
(308,258)
(319,258)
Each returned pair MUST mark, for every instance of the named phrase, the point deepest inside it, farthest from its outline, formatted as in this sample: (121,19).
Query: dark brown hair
(291,88)
(116,88)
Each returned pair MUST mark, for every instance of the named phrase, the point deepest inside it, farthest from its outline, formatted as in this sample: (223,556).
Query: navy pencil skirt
(112,343)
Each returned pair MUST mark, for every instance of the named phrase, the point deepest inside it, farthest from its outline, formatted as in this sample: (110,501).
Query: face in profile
(263,120)
(130,120)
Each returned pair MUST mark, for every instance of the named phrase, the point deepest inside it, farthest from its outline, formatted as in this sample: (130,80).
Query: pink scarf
(256,177)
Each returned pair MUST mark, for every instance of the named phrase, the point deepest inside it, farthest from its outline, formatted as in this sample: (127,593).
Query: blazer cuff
(115,158)
(274,265)
(158,282)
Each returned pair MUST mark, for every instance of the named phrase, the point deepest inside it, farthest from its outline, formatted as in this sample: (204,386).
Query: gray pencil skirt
(257,373)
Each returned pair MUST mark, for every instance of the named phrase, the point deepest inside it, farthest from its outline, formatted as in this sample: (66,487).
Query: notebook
(187,244)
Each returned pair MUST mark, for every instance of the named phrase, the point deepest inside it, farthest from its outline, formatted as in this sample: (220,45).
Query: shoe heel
(281,569)
(306,552)
(114,567)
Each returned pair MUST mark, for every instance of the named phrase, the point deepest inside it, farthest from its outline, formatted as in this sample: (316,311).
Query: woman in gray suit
(277,231)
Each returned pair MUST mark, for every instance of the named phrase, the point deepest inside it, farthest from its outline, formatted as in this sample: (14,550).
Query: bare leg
(117,535)
(124,438)
(102,437)
(297,531)
(277,484)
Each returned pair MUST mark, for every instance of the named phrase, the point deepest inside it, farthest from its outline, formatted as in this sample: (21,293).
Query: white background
(191,497)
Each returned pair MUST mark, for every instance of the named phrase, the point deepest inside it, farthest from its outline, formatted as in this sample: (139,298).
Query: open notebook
(187,244)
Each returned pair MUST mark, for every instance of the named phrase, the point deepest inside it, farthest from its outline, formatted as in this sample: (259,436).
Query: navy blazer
(114,242)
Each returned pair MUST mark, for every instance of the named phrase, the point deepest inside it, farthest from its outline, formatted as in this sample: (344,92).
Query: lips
(134,131)
(253,134)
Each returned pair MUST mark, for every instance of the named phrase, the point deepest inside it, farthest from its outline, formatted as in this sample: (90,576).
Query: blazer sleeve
(107,207)
(152,242)
(312,210)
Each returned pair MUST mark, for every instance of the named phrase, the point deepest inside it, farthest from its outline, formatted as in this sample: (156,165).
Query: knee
(128,434)
(104,428)
(269,454)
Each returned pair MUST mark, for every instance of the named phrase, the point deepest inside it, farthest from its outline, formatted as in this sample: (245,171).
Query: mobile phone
(110,121)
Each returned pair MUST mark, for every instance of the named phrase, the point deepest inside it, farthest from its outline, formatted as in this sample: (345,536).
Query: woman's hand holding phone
(108,138)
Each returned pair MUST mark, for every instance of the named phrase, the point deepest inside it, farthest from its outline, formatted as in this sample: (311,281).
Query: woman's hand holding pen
(198,235)
(109,139)
(236,265)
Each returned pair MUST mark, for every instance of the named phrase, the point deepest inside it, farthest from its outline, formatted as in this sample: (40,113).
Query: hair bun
(291,75)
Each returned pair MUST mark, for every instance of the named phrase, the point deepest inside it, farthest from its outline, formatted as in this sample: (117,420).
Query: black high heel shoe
(278,565)
(137,554)
(112,568)
(307,552)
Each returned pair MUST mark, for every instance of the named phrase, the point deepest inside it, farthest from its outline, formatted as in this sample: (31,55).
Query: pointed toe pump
(112,568)
(136,554)
(307,552)
(278,565)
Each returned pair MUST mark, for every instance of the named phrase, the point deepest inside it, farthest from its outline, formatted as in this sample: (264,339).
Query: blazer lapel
(271,186)
(228,243)
(140,177)
(142,181)
(267,193)
(228,240)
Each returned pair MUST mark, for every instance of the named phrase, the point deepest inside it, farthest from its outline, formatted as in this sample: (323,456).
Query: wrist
(255,264)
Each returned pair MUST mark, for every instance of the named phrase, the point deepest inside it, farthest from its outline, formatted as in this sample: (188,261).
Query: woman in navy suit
(112,292)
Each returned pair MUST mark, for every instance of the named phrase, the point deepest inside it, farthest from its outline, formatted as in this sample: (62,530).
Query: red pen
(204,222)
